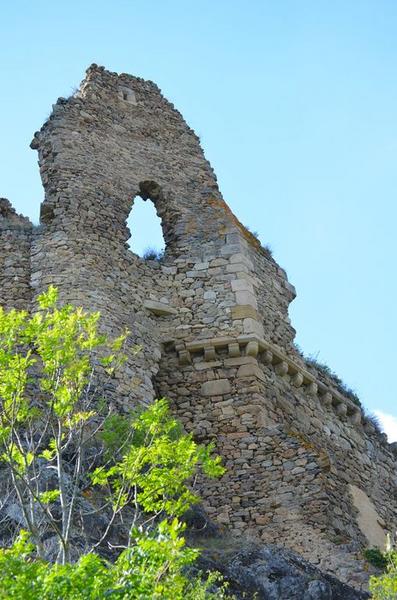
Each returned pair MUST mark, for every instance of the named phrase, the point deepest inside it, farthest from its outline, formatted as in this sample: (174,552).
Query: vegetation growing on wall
(265,247)
(153,254)
(341,386)
(383,587)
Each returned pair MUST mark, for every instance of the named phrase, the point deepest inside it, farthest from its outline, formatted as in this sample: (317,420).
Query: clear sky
(295,103)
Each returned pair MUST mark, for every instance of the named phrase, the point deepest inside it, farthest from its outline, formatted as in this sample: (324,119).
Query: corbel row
(271,356)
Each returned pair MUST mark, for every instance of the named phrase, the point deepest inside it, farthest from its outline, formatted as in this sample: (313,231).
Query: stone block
(202,266)
(239,360)
(209,353)
(312,388)
(241,258)
(196,274)
(297,380)
(281,368)
(209,295)
(244,311)
(218,262)
(237,268)
(253,326)
(368,518)
(246,297)
(160,309)
(233,349)
(229,249)
(242,285)
(251,370)
(252,348)
(217,387)
(204,366)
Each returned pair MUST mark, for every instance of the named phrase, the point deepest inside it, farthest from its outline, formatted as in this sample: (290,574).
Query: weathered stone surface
(211,317)
(273,573)
(244,311)
(159,308)
(216,388)
(368,519)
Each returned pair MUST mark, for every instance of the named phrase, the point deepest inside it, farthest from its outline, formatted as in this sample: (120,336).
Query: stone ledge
(160,309)
(270,355)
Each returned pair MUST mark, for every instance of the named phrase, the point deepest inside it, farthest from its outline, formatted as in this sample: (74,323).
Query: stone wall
(15,272)
(304,467)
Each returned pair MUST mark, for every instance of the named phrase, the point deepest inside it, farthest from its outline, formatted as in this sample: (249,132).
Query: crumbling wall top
(116,133)
(10,219)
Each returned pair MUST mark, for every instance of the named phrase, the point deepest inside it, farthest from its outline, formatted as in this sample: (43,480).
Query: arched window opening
(146,232)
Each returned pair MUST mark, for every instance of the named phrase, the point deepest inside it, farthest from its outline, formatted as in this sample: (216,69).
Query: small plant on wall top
(153,254)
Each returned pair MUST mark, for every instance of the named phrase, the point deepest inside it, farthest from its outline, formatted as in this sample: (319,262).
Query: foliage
(156,567)
(376,557)
(153,254)
(254,233)
(384,587)
(61,444)
(47,408)
(267,250)
(265,247)
(156,464)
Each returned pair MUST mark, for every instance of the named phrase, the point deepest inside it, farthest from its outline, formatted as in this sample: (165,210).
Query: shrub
(376,557)
(267,250)
(153,254)
(384,587)
(158,566)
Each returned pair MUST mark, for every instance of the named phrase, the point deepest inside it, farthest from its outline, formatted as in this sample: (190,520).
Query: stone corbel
(234,350)
(184,357)
(209,353)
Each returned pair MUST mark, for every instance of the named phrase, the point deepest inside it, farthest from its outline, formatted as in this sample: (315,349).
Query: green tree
(53,367)
(48,414)
(157,567)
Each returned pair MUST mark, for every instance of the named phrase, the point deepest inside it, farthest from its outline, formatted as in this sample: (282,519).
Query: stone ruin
(305,467)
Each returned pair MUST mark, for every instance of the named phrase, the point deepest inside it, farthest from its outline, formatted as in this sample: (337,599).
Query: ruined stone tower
(304,467)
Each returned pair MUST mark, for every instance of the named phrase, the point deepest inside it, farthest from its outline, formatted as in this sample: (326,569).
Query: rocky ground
(257,571)
(269,572)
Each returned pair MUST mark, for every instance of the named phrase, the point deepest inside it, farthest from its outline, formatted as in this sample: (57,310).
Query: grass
(265,247)
(374,420)
(326,371)
(342,387)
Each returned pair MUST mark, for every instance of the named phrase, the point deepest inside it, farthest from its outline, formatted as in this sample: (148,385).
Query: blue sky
(295,103)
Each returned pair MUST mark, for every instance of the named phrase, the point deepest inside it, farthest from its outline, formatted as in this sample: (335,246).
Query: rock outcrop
(274,573)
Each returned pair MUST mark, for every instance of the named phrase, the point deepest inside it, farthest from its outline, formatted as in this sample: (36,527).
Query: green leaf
(49,298)
(49,496)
